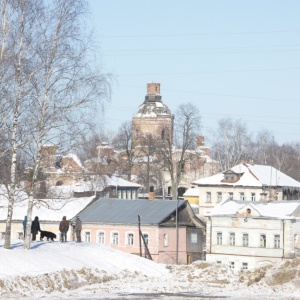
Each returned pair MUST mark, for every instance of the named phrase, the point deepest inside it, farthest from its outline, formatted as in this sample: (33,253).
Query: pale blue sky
(238,59)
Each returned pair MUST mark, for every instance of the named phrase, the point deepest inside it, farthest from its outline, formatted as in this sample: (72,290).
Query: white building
(245,234)
(246,182)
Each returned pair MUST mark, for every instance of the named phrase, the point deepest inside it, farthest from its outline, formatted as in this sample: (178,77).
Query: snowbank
(54,270)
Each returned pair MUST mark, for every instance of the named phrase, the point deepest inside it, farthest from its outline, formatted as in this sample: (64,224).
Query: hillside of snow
(54,270)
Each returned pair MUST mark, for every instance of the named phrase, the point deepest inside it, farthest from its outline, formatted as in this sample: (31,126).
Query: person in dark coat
(35,227)
(78,227)
(63,228)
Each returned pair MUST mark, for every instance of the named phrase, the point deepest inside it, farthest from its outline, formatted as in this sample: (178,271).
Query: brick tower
(153,118)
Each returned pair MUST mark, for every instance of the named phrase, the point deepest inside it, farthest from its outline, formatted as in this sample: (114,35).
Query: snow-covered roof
(192,191)
(47,209)
(252,175)
(275,209)
(98,183)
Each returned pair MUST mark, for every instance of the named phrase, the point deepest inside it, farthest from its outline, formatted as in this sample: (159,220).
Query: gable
(248,210)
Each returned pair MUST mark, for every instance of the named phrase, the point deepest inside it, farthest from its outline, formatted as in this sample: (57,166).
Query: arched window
(163,134)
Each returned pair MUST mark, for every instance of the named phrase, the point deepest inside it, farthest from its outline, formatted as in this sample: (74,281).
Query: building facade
(246,235)
(115,223)
(246,182)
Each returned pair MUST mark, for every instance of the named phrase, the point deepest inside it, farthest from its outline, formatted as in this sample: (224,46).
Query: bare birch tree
(65,88)
(54,85)
(230,143)
(187,127)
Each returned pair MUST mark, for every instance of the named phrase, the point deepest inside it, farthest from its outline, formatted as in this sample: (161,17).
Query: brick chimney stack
(153,88)
(200,140)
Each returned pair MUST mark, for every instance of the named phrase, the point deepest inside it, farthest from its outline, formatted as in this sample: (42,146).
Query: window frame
(193,237)
(165,240)
(277,241)
(208,197)
(87,236)
(219,238)
(245,240)
(115,238)
(146,239)
(263,240)
(129,239)
(232,239)
(102,237)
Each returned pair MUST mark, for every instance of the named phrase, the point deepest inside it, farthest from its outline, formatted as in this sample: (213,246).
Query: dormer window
(231,176)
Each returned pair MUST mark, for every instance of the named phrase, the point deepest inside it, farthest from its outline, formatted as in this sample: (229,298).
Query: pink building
(115,223)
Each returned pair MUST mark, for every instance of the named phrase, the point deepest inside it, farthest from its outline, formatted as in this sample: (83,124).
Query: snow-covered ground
(54,270)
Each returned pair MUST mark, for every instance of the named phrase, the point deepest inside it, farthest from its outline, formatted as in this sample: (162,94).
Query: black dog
(48,235)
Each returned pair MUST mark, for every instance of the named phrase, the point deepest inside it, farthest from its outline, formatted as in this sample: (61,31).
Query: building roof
(252,175)
(98,183)
(191,192)
(274,209)
(124,211)
(49,210)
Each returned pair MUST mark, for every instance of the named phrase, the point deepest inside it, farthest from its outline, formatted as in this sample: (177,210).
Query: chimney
(151,196)
(151,193)
(200,140)
(153,88)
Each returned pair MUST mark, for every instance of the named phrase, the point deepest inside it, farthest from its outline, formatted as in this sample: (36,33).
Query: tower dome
(153,118)
(153,106)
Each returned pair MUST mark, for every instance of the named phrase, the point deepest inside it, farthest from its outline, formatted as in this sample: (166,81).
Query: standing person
(63,228)
(35,227)
(78,227)
(24,226)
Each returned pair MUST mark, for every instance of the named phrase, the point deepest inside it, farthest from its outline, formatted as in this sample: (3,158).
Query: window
(115,238)
(194,237)
(165,240)
(244,266)
(219,262)
(20,236)
(232,239)
(245,240)
(101,237)
(163,134)
(276,241)
(263,241)
(146,239)
(253,197)
(231,195)
(242,196)
(130,239)
(87,236)
(231,264)
(219,196)
(219,238)
(2,235)
(208,197)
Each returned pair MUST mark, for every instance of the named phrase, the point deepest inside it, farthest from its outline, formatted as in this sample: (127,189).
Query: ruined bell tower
(153,118)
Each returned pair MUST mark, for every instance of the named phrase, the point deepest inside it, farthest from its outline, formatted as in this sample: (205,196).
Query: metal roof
(122,211)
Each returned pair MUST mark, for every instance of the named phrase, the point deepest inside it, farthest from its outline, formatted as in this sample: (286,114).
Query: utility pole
(177,232)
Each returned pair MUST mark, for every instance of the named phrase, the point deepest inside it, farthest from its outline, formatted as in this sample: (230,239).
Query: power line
(219,94)
(201,34)
(212,72)
(197,53)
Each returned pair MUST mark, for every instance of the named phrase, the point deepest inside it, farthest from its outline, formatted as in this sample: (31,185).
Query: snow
(253,175)
(274,209)
(54,270)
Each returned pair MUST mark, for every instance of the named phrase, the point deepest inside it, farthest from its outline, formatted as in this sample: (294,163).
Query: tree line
(50,86)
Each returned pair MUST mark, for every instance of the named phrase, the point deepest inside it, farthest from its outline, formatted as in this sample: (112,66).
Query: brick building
(153,118)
